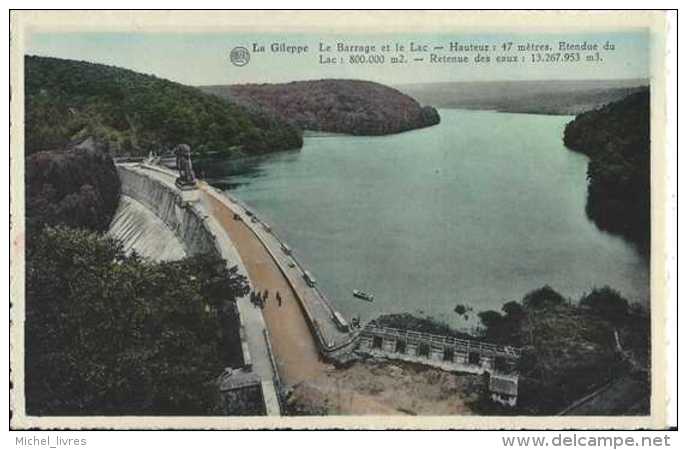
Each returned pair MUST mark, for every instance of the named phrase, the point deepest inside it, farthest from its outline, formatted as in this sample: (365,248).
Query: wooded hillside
(339,106)
(135,113)
(617,140)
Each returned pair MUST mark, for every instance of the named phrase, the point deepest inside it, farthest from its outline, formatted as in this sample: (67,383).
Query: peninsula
(339,106)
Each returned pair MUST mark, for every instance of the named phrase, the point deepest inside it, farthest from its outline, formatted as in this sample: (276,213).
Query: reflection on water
(478,210)
(217,170)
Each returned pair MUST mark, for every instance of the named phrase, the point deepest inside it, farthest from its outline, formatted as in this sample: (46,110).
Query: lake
(478,210)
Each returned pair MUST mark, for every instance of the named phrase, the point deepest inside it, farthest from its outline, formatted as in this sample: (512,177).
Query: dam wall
(163,198)
(140,230)
(188,225)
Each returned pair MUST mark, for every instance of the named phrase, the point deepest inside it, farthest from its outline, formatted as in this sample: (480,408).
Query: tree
(460,309)
(544,297)
(607,303)
(493,323)
(490,319)
(108,333)
(77,187)
(513,310)
(504,329)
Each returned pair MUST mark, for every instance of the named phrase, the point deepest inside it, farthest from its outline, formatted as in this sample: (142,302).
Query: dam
(139,229)
(295,335)
(283,343)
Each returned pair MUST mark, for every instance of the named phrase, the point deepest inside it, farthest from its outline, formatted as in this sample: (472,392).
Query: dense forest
(110,333)
(616,138)
(569,349)
(107,332)
(338,106)
(133,113)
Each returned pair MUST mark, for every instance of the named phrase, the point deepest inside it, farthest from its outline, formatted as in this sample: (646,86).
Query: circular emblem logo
(239,56)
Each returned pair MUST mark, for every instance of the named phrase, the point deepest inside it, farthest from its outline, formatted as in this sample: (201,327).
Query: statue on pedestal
(186,179)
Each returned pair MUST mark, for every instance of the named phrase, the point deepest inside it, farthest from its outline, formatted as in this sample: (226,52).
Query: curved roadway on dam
(295,350)
(305,327)
(294,340)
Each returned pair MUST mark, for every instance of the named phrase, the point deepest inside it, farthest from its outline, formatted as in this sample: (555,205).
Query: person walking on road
(278,299)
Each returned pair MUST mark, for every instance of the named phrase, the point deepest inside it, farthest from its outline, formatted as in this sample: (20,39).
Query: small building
(241,393)
(503,388)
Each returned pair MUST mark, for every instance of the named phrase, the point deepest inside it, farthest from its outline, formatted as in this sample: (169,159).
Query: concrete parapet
(459,355)
(312,310)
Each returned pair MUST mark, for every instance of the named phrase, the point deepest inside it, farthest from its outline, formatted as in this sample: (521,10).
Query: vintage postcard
(338,219)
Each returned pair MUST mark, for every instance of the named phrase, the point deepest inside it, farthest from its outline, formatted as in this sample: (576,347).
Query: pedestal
(185,185)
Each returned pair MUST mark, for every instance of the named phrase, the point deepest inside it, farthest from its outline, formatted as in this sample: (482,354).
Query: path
(295,350)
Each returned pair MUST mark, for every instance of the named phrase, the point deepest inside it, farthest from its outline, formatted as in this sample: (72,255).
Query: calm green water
(478,210)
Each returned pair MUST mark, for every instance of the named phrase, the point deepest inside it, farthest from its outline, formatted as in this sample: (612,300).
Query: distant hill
(618,142)
(536,97)
(133,113)
(340,106)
